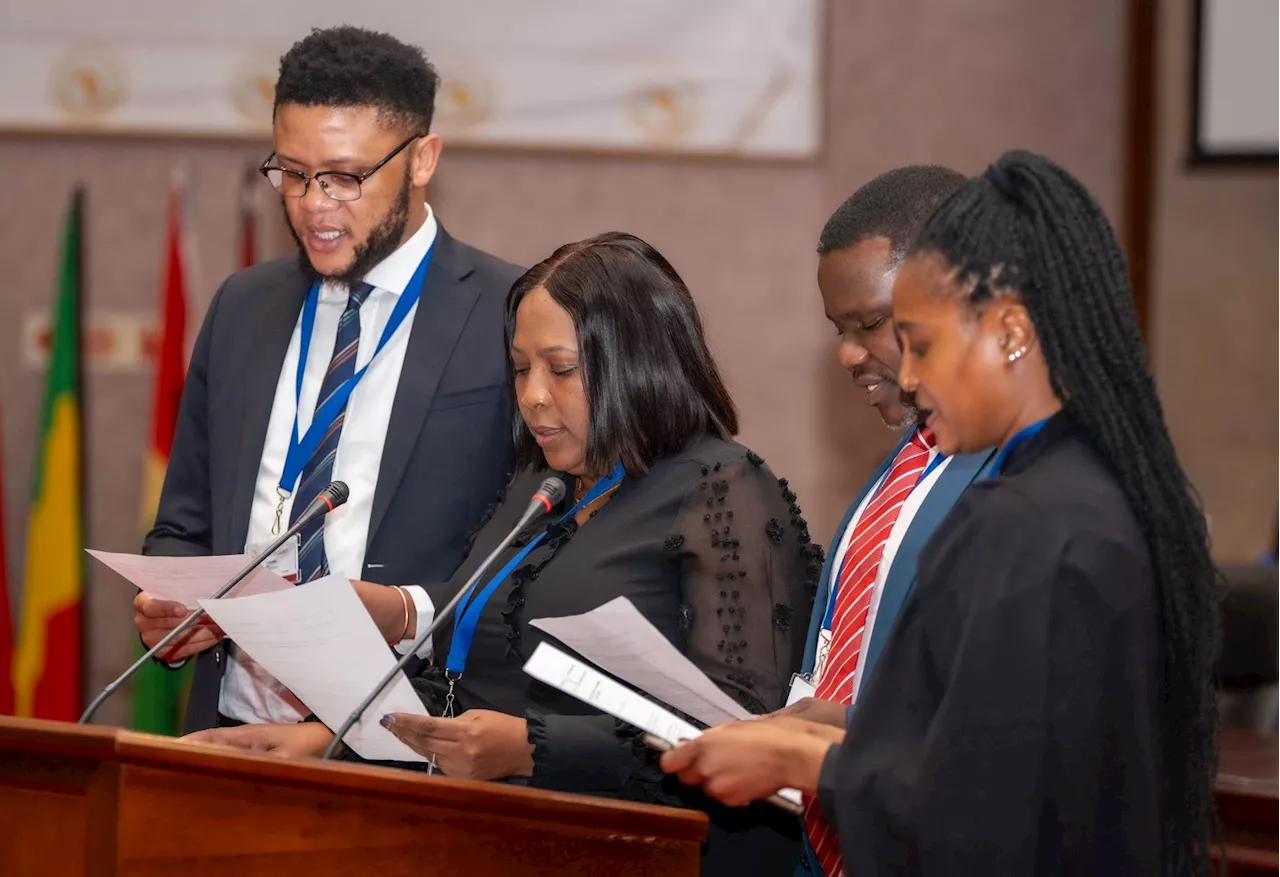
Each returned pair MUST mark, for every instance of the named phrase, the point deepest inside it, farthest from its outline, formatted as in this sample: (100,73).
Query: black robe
(1012,724)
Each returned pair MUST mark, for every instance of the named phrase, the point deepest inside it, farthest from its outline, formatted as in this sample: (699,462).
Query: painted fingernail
(387,721)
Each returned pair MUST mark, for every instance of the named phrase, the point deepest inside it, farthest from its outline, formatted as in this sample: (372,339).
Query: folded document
(630,653)
(621,641)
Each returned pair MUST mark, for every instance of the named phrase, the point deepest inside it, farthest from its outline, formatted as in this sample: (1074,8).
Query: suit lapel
(823,595)
(271,331)
(446,303)
(962,471)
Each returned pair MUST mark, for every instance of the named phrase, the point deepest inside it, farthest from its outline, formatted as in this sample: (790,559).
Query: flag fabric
(46,671)
(6,625)
(250,185)
(159,693)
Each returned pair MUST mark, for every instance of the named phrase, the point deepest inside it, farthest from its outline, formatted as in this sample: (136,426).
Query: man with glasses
(375,356)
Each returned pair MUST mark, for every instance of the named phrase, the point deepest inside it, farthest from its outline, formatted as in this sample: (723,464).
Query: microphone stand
(534,509)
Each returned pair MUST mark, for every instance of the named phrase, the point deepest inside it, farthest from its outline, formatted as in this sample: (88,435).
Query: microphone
(326,501)
(549,494)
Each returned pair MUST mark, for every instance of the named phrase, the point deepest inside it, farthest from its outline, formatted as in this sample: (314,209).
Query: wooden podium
(103,802)
(77,800)
(1248,797)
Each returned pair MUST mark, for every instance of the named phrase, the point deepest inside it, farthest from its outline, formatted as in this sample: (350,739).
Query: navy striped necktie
(318,472)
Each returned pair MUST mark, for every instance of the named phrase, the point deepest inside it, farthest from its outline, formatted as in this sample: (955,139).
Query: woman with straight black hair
(1045,704)
(616,391)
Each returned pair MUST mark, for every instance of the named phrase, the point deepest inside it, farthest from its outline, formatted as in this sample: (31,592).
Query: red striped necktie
(853,604)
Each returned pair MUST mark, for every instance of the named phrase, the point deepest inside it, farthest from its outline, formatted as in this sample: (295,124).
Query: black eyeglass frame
(267,167)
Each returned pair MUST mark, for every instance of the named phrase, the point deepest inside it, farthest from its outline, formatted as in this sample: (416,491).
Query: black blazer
(448,450)
(1012,725)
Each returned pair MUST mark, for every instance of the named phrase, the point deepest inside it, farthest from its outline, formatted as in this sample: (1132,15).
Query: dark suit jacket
(448,450)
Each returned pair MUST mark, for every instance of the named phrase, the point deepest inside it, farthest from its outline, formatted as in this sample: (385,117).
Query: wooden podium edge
(148,750)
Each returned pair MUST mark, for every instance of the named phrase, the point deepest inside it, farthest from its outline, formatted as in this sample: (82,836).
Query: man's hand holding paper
(169,591)
(154,618)
(320,642)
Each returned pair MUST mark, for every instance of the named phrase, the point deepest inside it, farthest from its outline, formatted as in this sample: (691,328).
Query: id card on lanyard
(467,616)
(301,448)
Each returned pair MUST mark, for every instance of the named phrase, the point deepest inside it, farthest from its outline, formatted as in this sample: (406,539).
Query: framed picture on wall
(724,78)
(1233,82)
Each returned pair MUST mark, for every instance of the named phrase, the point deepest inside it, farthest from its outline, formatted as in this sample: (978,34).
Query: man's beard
(910,416)
(907,401)
(910,413)
(382,241)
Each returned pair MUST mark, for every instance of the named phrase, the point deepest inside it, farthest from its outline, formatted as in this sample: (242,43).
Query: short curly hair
(894,205)
(352,67)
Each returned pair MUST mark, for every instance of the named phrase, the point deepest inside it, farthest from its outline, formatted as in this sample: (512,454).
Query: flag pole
(157,692)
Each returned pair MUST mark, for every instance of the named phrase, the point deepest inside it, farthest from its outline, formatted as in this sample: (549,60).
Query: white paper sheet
(564,672)
(187,580)
(320,642)
(561,671)
(617,638)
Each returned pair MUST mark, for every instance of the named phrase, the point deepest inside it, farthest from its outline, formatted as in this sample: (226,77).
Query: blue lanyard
(938,459)
(1022,435)
(302,449)
(467,618)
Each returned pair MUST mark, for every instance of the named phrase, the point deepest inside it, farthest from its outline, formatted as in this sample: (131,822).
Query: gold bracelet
(404,598)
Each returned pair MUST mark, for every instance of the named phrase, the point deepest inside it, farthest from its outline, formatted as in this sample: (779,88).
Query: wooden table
(1247,795)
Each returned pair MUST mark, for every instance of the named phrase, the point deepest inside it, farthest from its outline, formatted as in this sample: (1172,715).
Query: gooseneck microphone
(549,494)
(326,501)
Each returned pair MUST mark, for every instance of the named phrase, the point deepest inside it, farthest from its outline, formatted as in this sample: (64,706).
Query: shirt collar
(935,459)
(393,273)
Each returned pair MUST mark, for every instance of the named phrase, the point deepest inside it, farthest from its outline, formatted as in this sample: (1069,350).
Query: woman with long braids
(1045,704)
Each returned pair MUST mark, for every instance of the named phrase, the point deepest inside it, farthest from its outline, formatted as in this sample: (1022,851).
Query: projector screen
(1234,81)
(736,77)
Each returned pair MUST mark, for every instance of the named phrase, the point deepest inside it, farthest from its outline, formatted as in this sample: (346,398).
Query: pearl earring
(1017,354)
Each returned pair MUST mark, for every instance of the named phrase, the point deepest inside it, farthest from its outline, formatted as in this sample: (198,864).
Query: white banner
(711,76)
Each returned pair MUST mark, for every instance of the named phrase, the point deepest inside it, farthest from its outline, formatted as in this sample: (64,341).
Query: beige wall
(1214,313)
(909,81)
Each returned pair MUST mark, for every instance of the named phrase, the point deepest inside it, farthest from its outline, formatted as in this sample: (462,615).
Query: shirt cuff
(426,614)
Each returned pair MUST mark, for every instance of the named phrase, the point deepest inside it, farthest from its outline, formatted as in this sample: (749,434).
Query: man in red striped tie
(871,568)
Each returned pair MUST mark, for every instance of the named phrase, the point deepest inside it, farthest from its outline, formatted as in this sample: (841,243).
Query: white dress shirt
(250,694)
(909,508)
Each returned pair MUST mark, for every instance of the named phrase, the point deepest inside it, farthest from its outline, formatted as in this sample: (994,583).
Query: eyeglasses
(338,185)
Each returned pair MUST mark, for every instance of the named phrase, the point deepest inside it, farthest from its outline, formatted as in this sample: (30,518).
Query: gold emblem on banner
(253,86)
(665,113)
(88,82)
(464,101)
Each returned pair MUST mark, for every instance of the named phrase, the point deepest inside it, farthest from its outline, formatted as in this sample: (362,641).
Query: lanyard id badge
(284,562)
(801,687)
(467,617)
(303,447)
(1023,435)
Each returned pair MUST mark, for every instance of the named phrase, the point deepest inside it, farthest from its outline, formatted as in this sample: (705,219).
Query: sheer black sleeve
(745,559)
(745,562)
